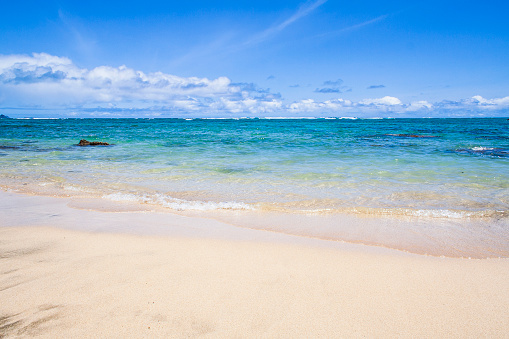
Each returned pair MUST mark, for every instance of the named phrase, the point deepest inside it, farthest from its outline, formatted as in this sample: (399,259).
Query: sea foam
(177,204)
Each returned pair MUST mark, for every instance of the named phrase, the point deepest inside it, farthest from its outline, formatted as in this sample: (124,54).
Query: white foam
(427,213)
(30,118)
(289,118)
(183,205)
(178,204)
(444,213)
(127,197)
(73,188)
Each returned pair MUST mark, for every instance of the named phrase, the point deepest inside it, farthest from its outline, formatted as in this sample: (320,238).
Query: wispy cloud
(352,27)
(79,39)
(230,43)
(306,9)
(216,46)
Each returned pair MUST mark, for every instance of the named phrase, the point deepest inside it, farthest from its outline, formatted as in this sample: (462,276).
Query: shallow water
(450,171)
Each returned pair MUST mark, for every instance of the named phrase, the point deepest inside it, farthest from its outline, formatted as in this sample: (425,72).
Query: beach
(425,186)
(254,169)
(68,272)
(254,228)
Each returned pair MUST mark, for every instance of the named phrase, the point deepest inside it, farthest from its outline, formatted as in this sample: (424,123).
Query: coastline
(477,238)
(70,272)
(421,186)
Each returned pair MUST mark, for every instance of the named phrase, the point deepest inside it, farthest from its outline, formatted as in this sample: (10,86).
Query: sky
(197,58)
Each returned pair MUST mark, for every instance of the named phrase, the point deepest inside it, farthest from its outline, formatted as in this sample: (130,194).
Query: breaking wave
(177,204)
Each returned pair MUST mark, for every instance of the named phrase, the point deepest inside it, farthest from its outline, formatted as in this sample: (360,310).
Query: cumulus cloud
(475,104)
(244,90)
(248,105)
(493,103)
(419,105)
(385,101)
(369,107)
(45,82)
(311,106)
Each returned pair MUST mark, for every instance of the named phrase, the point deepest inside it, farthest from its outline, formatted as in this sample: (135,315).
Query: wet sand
(66,272)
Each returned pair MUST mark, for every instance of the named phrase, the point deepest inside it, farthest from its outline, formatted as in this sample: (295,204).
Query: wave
(308,208)
(177,204)
(493,152)
(430,213)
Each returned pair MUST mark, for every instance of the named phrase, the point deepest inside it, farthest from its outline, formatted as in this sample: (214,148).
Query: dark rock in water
(4,116)
(84,142)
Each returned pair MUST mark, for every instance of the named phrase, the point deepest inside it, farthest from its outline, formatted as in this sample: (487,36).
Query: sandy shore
(76,273)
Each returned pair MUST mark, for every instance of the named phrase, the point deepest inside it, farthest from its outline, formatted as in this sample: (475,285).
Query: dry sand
(196,282)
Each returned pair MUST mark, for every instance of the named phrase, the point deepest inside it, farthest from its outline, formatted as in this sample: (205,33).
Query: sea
(427,186)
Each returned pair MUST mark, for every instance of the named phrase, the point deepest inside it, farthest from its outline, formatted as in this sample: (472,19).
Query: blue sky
(256,58)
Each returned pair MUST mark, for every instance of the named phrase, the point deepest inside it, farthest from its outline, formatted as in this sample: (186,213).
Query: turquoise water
(440,168)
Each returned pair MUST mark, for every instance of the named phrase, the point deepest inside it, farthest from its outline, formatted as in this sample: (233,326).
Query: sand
(66,272)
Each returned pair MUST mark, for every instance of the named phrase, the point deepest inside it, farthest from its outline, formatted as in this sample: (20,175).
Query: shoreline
(26,210)
(438,237)
(190,277)
(67,272)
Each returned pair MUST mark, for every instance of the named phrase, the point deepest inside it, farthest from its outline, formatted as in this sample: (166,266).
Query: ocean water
(385,179)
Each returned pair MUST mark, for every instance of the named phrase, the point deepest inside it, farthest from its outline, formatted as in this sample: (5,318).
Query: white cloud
(419,105)
(494,103)
(248,105)
(476,105)
(303,11)
(385,101)
(311,106)
(48,81)
(43,81)
(37,59)
(353,27)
